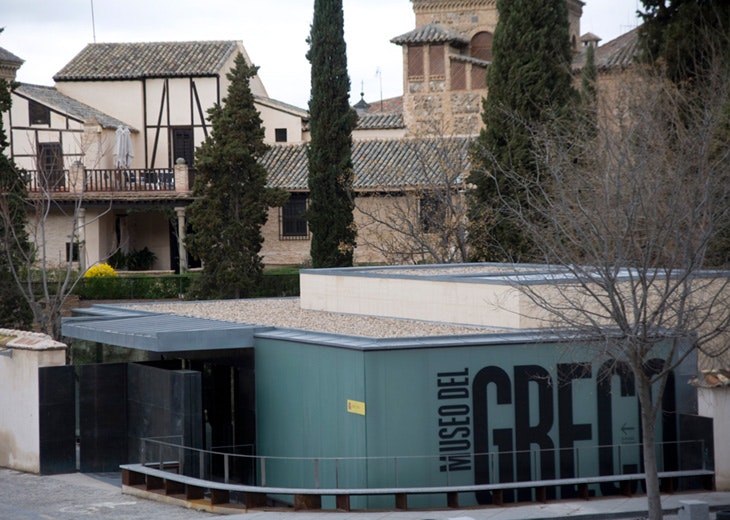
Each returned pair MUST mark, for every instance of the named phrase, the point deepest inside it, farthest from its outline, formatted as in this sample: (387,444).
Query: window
(458,75)
(436,60)
(432,212)
(72,252)
(415,62)
(478,77)
(292,218)
(39,114)
(280,135)
(481,46)
(50,167)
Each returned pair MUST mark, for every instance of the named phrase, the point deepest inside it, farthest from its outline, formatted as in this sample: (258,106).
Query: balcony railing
(79,179)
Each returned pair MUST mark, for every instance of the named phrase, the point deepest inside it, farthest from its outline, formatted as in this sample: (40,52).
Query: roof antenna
(93,22)
(379,74)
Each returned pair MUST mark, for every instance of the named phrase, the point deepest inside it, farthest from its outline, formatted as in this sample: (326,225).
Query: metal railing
(225,464)
(100,180)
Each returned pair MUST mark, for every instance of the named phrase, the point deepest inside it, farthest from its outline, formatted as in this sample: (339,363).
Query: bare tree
(632,213)
(54,206)
(417,213)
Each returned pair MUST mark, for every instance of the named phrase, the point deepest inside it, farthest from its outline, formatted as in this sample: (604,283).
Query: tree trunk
(648,437)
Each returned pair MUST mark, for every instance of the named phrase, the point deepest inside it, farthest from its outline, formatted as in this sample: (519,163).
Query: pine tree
(330,212)
(15,312)
(529,84)
(231,198)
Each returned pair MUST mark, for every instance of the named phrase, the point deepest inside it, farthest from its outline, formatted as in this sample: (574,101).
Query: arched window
(481,46)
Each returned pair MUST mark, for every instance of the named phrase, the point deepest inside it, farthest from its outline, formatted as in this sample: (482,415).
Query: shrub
(100,271)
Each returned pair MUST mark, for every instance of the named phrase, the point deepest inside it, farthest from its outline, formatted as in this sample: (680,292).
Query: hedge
(172,287)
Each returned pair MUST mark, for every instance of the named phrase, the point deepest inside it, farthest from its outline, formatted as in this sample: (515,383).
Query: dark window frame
(280,135)
(292,218)
(38,114)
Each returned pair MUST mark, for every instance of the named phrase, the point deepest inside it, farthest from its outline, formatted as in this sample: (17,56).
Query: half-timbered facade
(152,100)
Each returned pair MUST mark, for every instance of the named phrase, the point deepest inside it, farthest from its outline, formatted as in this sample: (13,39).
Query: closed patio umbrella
(123,151)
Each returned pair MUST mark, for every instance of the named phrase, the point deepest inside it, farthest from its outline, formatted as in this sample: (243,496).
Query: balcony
(78,179)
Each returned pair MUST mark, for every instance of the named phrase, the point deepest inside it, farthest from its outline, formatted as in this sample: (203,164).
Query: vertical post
(316,473)
(225,468)
(181,175)
(81,230)
(202,465)
(263,471)
(181,233)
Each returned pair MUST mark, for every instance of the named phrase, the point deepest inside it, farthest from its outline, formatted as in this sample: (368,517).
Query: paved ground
(77,496)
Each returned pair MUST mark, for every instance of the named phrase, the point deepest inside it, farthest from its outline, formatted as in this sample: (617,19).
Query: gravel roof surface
(286,313)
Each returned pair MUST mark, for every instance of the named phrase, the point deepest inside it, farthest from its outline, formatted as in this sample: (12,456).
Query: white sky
(47,34)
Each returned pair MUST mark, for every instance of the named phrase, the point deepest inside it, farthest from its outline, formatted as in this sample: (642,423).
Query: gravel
(286,313)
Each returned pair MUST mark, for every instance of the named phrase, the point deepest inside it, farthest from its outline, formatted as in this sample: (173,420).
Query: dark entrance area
(95,417)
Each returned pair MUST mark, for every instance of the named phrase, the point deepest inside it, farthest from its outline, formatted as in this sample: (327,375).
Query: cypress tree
(330,212)
(231,198)
(15,313)
(529,85)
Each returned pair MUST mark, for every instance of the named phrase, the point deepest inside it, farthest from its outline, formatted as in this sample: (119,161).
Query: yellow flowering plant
(100,271)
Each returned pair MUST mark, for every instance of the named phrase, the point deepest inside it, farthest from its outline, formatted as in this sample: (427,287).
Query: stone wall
(21,355)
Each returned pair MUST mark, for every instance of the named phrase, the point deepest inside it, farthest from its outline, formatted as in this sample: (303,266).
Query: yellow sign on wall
(355,407)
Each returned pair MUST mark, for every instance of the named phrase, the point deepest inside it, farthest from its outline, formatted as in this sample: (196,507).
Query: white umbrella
(123,151)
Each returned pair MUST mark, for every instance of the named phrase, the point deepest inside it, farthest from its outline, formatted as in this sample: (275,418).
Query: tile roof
(380,121)
(8,57)
(52,98)
(619,53)
(285,107)
(382,164)
(431,33)
(469,59)
(119,61)
(387,105)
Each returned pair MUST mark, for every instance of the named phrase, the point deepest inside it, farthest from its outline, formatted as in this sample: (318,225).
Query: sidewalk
(594,509)
(69,497)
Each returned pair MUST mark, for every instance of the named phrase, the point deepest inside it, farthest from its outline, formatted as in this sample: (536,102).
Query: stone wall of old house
(279,251)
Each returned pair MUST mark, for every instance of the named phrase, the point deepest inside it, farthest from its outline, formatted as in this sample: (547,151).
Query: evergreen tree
(231,198)
(15,312)
(330,212)
(529,84)
(686,35)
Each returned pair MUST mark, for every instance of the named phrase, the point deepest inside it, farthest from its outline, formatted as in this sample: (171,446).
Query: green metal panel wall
(429,409)
(301,399)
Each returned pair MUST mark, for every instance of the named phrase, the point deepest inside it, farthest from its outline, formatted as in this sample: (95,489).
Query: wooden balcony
(80,180)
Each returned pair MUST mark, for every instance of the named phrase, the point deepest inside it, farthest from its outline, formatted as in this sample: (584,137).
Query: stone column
(81,227)
(76,177)
(181,228)
(181,175)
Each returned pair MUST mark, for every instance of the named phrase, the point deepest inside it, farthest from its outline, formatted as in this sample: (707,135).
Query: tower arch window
(481,46)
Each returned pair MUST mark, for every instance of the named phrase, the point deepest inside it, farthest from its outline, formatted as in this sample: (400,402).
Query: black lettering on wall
(606,373)
(503,438)
(569,431)
(454,421)
(526,434)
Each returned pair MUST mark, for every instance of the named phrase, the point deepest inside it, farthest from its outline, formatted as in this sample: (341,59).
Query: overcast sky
(47,34)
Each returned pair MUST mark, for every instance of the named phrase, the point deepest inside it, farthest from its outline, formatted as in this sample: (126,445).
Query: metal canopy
(155,332)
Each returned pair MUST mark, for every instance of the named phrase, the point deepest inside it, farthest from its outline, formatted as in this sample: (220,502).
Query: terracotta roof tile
(115,61)
(380,121)
(52,98)
(383,164)
(619,53)
(9,57)
(431,33)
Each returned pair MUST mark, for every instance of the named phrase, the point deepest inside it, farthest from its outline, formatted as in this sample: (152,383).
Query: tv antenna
(93,21)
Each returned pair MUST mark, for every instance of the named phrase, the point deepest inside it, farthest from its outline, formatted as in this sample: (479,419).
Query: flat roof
(157,332)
